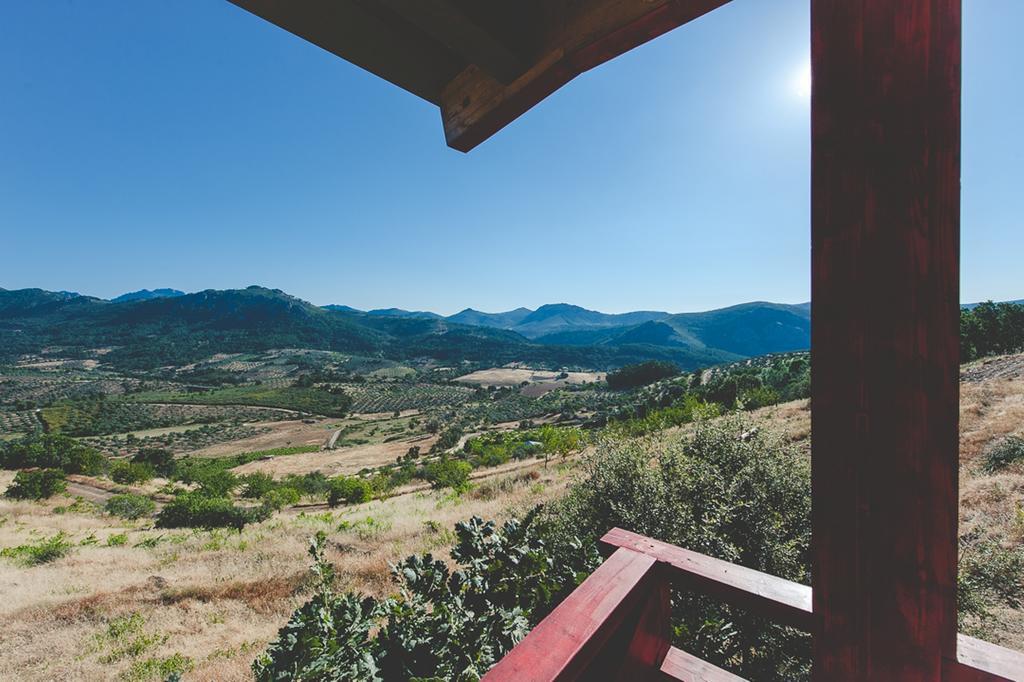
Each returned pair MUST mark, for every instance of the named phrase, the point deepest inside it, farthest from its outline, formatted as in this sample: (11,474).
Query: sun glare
(802,81)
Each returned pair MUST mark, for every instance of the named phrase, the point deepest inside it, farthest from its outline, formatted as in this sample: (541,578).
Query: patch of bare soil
(347,460)
(279,434)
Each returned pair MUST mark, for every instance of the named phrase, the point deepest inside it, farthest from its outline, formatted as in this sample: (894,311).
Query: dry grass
(216,597)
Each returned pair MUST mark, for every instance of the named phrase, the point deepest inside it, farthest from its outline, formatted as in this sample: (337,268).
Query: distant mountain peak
(146,295)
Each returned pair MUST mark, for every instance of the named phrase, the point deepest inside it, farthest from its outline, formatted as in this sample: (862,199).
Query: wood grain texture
(980,661)
(781,600)
(564,645)
(679,665)
(884,335)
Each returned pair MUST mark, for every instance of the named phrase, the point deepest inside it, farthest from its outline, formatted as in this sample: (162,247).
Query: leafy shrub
(256,485)
(130,506)
(127,473)
(446,624)
(729,492)
(196,510)
(349,490)
(117,540)
(448,473)
(632,376)
(279,498)
(313,484)
(1003,453)
(160,459)
(449,438)
(37,484)
(51,451)
(215,482)
(42,552)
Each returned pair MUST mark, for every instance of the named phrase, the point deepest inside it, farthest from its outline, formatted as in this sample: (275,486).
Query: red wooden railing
(615,625)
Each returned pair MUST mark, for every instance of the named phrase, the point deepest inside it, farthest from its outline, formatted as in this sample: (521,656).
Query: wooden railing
(616,624)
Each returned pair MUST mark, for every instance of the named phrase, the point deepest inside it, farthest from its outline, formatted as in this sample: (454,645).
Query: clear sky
(189,144)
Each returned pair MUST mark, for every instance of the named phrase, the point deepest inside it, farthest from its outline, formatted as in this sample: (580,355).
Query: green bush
(51,451)
(37,484)
(130,506)
(349,490)
(127,473)
(448,473)
(730,492)
(42,552)
(632,376)
(215,482)
(1003,453)
(279,498)
(161,459)
(451,625)
(196,510)
(256,485)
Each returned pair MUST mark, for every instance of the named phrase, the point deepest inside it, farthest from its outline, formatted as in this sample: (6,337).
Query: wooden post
(885,319)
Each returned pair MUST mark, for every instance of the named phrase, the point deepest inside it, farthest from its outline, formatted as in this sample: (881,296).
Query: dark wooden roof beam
(451,27)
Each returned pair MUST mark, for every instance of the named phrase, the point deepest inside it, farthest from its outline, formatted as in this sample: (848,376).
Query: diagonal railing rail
(616,624)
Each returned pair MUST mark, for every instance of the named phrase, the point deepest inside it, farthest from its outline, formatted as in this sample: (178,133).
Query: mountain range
(148,329)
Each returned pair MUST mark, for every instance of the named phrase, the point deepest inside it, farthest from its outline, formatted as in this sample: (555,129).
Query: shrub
(127,473)
(729,492)
(117,540)
(313,484)
(51,452)
(349,490)
(632,376)
(279,498)
(196,510)
(215,482)
(1003,453)
(42,552)
(130,506)
(445,625)
(38,484)
(161,459)
(448,473)
(256,485)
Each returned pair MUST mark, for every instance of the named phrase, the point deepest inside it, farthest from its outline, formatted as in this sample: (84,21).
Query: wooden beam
(578,37)
(684,667)
(781,600)
(565,644)
(979,661)
(356,32)
(884,336)
(453,28)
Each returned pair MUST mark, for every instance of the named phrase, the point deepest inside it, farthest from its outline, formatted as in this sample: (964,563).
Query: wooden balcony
(616,624)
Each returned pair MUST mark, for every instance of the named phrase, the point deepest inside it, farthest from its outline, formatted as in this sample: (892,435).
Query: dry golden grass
(216,597)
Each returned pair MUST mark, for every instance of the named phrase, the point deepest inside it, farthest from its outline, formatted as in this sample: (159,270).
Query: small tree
(38,484)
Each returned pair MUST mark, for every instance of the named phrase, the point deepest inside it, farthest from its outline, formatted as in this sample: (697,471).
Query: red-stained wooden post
(885,289)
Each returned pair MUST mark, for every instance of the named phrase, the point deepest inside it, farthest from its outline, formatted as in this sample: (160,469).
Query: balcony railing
(616,624)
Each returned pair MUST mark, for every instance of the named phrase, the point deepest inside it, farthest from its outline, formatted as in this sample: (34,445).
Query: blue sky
(189,144)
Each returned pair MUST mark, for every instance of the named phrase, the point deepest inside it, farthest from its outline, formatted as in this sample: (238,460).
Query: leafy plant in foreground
(444,624)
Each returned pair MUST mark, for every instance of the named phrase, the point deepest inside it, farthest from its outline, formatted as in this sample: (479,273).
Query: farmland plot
(395,397)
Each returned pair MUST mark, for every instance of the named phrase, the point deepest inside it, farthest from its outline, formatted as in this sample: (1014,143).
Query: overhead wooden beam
(355,31)
(885,214)
(577,37)
(453,28)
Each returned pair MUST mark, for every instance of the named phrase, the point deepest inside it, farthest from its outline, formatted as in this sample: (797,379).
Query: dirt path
(89,493)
